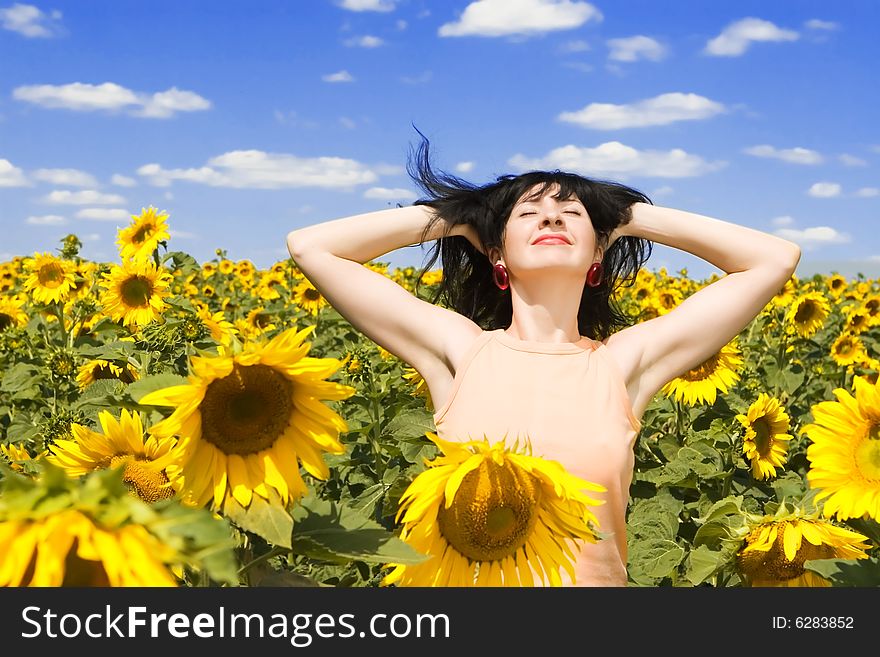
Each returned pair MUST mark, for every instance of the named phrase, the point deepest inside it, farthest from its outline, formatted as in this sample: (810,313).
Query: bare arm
(331,254)
(757,264)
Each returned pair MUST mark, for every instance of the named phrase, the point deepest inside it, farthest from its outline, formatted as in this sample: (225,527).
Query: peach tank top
(571,400)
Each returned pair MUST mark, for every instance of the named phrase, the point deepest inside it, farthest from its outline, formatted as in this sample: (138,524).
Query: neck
(546,310)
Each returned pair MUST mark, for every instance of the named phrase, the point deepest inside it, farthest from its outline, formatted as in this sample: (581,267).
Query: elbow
(794,257)
(293,244)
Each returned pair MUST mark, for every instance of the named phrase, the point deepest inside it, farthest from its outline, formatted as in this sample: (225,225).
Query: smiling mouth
(550,240)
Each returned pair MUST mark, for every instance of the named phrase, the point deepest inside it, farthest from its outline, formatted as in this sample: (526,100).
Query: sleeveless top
(572,402)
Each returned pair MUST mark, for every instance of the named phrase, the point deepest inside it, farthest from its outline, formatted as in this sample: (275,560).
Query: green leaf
(702,563)
(410,423)
(847,572)
(149,384)
(19,377)
(333,532)
(270,521)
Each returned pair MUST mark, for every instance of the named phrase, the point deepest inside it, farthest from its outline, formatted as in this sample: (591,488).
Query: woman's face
(533,220)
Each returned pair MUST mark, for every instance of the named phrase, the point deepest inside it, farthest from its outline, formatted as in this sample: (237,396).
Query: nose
(552,216)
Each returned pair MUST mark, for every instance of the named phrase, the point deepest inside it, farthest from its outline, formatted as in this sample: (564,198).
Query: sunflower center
(248,410)
(846,347)
(703,370)
(5,321)
(312,295)
(868,454)
(147,483)
(763,435)
(51,275)
(142,234)
(805,312)
(136,291)
(493,513)
(773,565)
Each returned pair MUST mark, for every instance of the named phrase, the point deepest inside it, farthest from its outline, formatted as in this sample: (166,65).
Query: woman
(531,342)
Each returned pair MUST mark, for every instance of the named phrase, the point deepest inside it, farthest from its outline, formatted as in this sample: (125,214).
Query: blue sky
(245,120)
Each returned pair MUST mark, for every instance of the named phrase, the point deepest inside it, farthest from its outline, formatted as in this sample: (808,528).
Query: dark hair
(467,285)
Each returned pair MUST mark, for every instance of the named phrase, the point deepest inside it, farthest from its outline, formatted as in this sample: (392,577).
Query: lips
(551,239)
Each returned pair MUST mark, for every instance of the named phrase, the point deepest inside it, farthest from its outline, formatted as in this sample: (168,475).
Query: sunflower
(775,548)
(247,418)
(257,322)
(871,306)
(69,548)
(492,516)
(307,297)
(221,329)
(808,313)
(11,313)
(848,349)
(16,455)
(845,452)
(150,463)
(786,293)
(700,384)
(857,321)
(135,292)
(98,368)
(667,299)
(50,279)
(766,440)
(411,375)
(138,240)
(836,284)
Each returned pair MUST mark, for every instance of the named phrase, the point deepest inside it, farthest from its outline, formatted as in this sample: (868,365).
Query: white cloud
(398,193)
(868,192)
(366,41)
(166,103)
(85,197)
(400,24)
(367,5)
(615,159)
(347,123)
(12,176)
(90,237)
(663,190)
(66,177)
(103,214)
(852,160)
(181,234)
(796,155)
(785,220)
(81,97)
(736,38)
(824,190)
(464,167)
(291,118)
(634,48)
(29,21)
(340,76)
(810,238)
(494,18)
(255,169)
(816,24)
(46,220)
(660,110)
(123,181)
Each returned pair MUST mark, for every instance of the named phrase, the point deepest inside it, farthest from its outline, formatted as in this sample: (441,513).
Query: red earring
(499,271)
(594,274)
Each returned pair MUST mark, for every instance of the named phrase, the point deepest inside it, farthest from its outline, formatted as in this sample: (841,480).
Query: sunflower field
(165,422)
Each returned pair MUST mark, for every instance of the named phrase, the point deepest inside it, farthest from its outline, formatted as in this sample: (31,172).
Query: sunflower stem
(274,552)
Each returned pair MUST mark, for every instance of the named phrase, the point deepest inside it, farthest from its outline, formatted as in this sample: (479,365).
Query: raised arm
(331,255)
(757,264)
